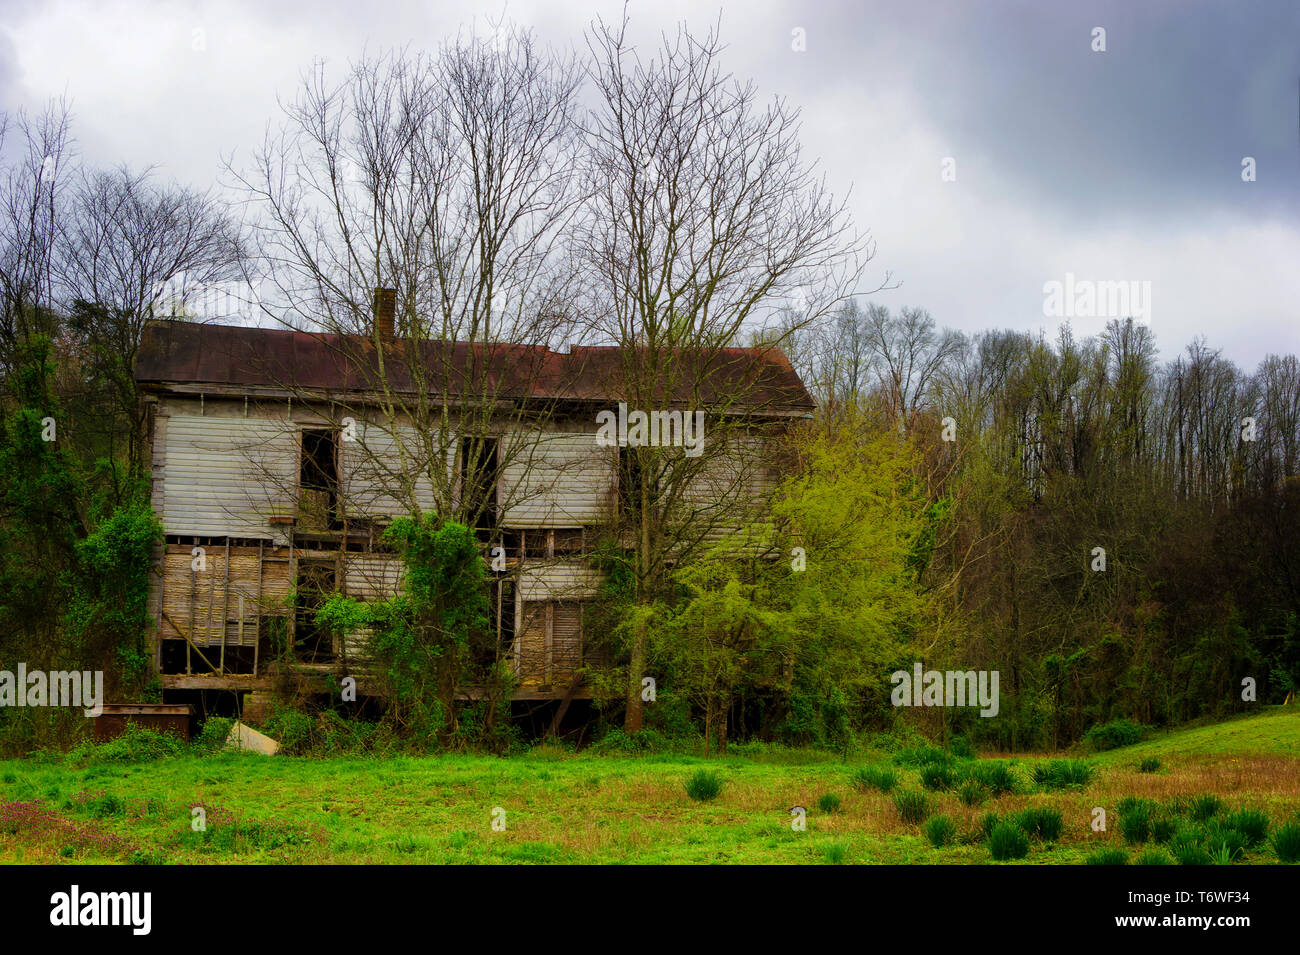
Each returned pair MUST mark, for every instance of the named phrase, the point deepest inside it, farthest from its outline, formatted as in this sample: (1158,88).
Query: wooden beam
(564,705)
(188,643)
(225,606)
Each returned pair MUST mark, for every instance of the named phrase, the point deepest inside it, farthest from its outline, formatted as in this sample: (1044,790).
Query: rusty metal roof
(236,357)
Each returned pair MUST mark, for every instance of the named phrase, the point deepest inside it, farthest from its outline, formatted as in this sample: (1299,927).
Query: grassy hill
(1275,732)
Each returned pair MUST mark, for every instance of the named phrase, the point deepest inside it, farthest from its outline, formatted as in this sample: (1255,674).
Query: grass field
(561,807)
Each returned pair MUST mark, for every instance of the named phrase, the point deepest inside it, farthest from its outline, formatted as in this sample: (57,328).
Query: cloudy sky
(1122,165)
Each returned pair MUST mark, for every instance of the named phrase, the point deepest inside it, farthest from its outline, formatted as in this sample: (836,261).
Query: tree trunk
(632,719)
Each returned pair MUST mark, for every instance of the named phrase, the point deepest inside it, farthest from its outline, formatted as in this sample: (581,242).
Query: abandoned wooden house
(278,458)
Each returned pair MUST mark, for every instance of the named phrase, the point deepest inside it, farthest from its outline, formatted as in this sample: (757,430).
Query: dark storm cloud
(1156,125)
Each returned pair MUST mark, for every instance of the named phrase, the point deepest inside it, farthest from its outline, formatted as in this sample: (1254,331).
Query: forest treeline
(1038,452)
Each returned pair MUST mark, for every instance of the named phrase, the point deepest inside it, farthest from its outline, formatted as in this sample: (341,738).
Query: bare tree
(131,251)
(705,221)
(30,205)
(908,354)
(449,179)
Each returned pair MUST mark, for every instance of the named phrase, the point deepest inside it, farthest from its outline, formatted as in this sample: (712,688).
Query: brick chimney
(386,312)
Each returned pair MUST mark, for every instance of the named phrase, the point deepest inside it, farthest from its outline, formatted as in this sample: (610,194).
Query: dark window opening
(318,481)
(630,471)
(537,544)
(316,581)
(503,615)
(568,540)
(479,473)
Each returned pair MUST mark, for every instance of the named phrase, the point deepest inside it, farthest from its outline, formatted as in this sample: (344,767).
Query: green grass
(561,807)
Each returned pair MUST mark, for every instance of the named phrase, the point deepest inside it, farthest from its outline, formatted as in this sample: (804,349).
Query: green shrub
(835,853)
(828,802)
(971,793)
(937,776)
(1113,735)
(212,736)
(913,806)
(940,831)
(1041,823)
(1007,841)
(1286,842)
(1062,773)
(617,742)
(1149,764)
(1204,808)
(961,747)
(881,778)
(1153,856)
(137,744)
(1108,856)
(994,775)
(703,785)
(1251,823)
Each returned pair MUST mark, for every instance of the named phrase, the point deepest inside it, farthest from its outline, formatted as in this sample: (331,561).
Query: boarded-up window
(566,638)
(550,641)
(532,642)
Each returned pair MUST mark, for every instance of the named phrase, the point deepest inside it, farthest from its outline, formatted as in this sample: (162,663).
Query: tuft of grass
(703,785)
(1108,856)
(1286,842)
(988,822)
(1251,823)
(880,778)
(995,775)
(1149,764)
(1163,829)
(1007,841)
(1205,807)
(1153,856)
(940,830)
(1225,845)
(1135,817)
(937,776)
(922,756)
(1187,850)
(971,793)
(1041,823)
(835,853)
(1062,773)
(913,806)
(828,802)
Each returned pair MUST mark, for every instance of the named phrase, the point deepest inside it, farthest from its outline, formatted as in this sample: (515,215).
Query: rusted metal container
(160,717)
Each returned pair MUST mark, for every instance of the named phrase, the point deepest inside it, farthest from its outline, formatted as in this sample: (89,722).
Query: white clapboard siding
(228,476)
(370,472)
(556,479)
(373,577)
(558,580)
(729,488)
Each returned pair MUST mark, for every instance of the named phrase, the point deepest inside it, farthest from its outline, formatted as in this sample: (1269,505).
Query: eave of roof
(176,355)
